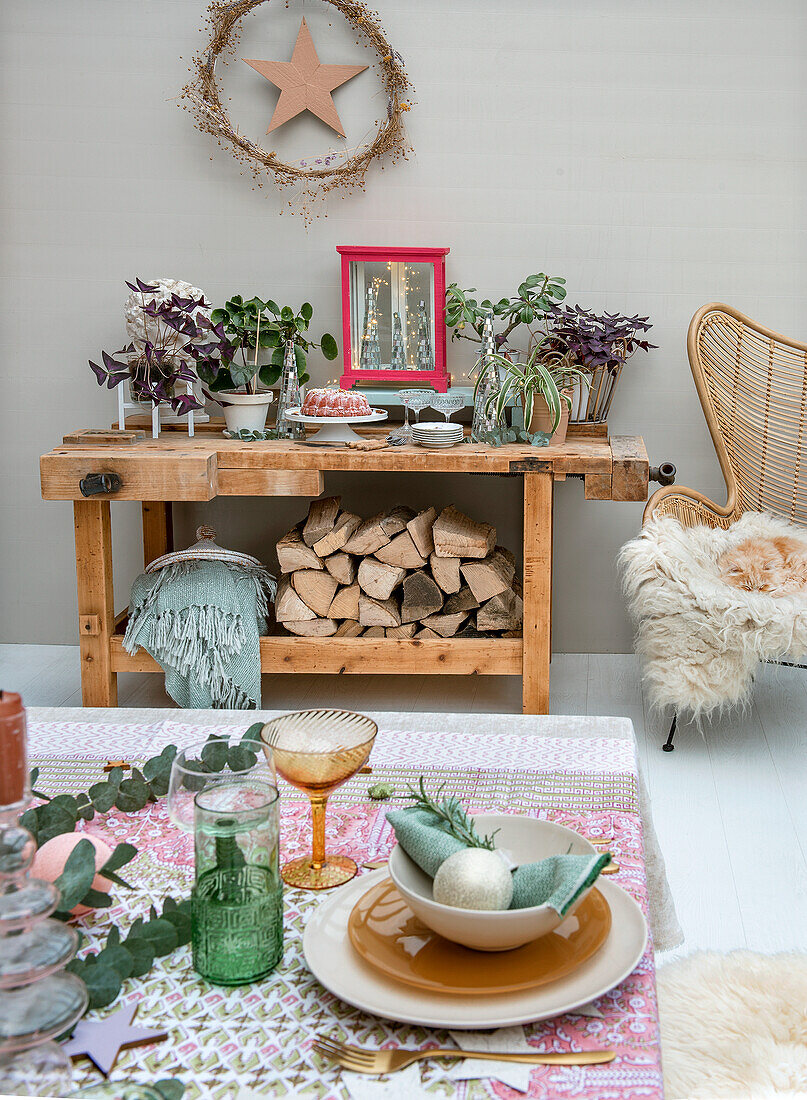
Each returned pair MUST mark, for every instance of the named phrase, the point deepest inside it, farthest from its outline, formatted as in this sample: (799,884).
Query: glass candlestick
(289,397)
(38,999)
(237,898)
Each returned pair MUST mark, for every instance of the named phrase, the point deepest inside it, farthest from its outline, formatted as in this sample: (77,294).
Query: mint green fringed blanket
(202,621)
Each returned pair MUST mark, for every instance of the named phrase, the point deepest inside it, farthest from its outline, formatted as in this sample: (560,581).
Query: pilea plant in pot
(599,345)
(531,303)
(248,329)
(542,386)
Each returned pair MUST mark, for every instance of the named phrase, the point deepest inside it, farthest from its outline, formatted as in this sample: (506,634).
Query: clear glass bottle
(38,998)
(486,423)
(237,898)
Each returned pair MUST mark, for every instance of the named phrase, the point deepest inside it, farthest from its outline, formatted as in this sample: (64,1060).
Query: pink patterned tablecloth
(259,1037)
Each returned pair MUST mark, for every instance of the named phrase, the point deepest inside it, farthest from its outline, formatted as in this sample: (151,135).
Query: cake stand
(335,429)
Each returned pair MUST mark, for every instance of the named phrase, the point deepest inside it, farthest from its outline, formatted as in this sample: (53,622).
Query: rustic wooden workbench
(176,468)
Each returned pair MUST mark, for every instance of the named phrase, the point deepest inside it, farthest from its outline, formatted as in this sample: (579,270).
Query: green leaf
(307,311)
(161,934)
(214,755)
(160,765)
(33,776)
(273,307)
(56,817)
(219,315)
(299,356)
(170,1088)
(103,796)
(96,899)
(132,796)
(30,820)
(118,958)
(182,925)
(114,776)
(241,759)
(287,314)
(253,735)
(328,346)
(141,952)
(79,871)
(103,985)
(269,374)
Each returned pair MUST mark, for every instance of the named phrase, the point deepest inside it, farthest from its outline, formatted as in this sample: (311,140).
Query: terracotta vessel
(541,418)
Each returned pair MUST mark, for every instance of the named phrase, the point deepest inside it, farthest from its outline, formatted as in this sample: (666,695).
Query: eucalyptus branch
(450,813)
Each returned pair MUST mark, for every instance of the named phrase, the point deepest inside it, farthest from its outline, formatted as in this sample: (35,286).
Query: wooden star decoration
(101,1040)
(305,84)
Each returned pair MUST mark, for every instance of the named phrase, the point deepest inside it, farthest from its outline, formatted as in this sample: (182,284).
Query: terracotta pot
(541,418)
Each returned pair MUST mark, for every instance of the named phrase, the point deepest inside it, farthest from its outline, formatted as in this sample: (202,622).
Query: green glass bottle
(237,898)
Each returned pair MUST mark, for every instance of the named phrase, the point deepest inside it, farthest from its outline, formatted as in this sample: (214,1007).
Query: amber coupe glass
(317,751)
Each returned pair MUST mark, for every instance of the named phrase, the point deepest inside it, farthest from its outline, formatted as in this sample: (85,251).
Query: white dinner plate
(333,961)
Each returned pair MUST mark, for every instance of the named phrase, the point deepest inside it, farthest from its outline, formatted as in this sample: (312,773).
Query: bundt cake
(343,403)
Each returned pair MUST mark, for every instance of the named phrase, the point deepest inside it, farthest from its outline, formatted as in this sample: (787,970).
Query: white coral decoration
(140,328)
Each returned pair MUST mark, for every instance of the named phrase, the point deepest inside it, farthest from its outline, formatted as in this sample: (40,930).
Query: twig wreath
(203,96)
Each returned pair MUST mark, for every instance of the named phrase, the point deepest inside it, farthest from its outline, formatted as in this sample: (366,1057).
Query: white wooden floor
(730,806)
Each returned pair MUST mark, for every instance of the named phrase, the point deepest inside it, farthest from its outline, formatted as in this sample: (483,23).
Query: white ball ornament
(474,878)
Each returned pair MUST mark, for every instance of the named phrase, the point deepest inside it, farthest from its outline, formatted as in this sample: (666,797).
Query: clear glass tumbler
(237,898)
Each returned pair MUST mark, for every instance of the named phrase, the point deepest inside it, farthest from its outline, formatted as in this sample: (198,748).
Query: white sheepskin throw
(698,638)
(734,1026)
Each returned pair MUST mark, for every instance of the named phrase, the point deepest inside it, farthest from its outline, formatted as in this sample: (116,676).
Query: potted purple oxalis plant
(172,338)
(599,345)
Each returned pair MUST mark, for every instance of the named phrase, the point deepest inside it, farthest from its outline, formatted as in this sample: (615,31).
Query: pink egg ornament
(50,859)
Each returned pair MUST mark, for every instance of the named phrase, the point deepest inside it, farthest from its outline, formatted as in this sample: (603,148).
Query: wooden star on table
(101,1040)
(305,84)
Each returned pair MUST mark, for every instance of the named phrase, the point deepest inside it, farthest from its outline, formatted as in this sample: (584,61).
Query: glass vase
(237,898)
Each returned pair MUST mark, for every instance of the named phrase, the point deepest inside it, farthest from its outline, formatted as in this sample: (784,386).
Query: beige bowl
(526,840)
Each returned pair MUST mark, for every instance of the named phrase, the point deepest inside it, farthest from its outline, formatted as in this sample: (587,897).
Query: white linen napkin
(395,1086)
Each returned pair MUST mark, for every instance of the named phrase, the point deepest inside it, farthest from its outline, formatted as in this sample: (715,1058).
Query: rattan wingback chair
(752,385)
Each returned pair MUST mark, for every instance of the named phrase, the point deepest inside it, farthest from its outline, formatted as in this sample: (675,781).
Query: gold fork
(388,1061)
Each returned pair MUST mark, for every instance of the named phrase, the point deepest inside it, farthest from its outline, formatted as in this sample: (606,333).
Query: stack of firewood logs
(400,574)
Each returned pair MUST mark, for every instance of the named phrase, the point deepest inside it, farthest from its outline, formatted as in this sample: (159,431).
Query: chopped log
(490,576)
(378,579)
(336,538)
(288,605)
(464,600)
(503,612)
(420,528)
(368,537)
(446,571)
(349,629)
(315,628)
(395,521)
(406,630)
(445,625)
(507,554)
(517,633)
(470,631)
(458,536)
(293,554)
(345,604)
(321,519)
(315,589)
(374,632)
(378,612)
(342,567)
(426,633)
(401,552)
(421,597)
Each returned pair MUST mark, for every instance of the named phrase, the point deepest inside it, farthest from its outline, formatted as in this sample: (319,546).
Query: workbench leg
(537,592)
(96,610)
(158,529)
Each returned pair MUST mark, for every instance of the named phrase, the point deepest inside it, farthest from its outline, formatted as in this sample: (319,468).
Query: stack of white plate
(437,435)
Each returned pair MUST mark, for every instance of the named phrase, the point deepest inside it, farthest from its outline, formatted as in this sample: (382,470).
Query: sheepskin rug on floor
(734,1026)
(700,639)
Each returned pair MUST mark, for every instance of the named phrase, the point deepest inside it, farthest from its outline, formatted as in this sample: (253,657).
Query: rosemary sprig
(451,814)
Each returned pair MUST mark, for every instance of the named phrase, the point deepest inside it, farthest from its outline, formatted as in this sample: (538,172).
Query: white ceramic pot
(246,411)
(526,840)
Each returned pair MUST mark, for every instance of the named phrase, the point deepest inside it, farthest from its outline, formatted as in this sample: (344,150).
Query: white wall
(651,152)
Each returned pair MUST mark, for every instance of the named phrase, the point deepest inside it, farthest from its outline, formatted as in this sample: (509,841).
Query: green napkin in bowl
(557,881)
